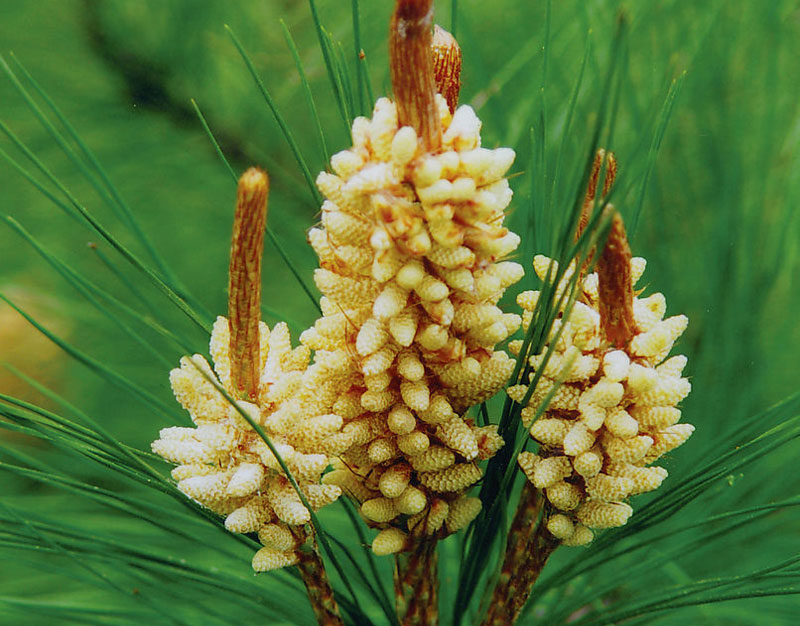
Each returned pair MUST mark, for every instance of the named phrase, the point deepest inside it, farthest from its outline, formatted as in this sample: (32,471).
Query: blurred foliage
(719,223)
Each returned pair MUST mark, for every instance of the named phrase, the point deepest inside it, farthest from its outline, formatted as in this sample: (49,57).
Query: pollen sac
(412,252)
(489,440)
(393,482)
(560,526)
(595,514)
(268,559)
(379,510)
(434,458)
(411,501)
(462,512)
(612,409)
(276,537)
(389,541)
(295,412)
(581,536)
(452,479)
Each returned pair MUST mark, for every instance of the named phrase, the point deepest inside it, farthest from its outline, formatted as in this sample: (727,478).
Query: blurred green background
(719,224)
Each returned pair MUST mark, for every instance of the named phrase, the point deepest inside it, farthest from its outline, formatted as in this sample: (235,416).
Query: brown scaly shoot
(615,285)
(411,67)
(244,286)
(601,158)
(446,66)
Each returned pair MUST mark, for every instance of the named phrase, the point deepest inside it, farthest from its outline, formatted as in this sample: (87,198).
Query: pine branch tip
(446,65)
(615,284)
(412,70)
(244,286)
(601,158)
(414,9)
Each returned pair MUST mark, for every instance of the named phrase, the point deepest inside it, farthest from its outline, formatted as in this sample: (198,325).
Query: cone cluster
(411,247)
(226,466)
(612,412)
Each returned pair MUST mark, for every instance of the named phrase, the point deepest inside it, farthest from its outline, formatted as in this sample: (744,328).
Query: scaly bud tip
(244,281)
(615,285)
(446,66)
(411,67)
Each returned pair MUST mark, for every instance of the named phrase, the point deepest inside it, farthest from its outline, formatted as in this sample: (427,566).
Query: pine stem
(244,281)
(527,551)
(446,66)
(416,585)
(411,68)
(319,589)
(601,158)
(615,285)
(540,547)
